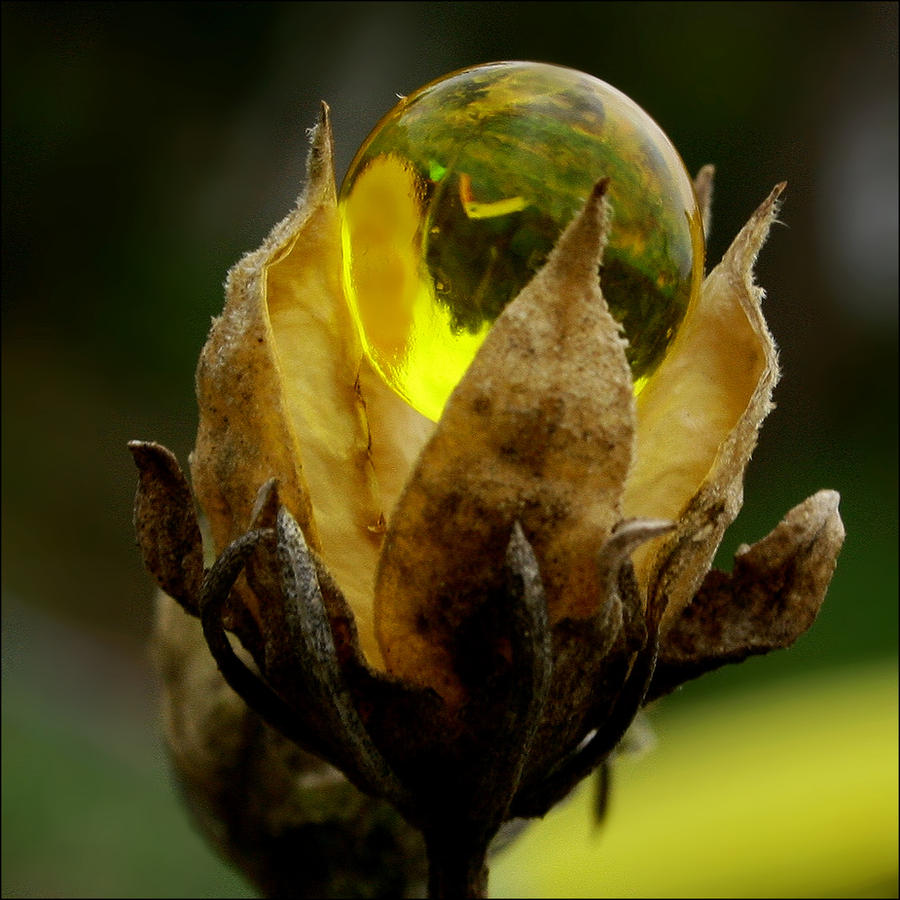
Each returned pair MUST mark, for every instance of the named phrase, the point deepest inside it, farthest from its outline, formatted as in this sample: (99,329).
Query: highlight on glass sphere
(456,198)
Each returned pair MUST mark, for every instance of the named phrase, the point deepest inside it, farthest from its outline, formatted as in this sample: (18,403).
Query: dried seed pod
(542,552)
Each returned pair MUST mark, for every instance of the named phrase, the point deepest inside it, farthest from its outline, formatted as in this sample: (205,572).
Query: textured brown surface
(166,524)
(290,821)
(539,431)
(770,599)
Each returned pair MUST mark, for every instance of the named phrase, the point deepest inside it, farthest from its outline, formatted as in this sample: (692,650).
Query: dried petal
(539,430)
(698,418)
(166,524)
(279,387)
(769,600)
(703,190)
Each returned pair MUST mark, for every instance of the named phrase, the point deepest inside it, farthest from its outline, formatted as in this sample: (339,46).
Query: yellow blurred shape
(784,791)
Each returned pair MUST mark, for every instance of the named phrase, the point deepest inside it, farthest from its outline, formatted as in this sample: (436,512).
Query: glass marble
(456,198)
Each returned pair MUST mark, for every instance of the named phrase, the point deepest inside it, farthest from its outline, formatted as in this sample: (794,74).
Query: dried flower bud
(464,617)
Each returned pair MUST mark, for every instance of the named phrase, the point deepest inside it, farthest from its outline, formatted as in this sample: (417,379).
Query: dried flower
(464,617)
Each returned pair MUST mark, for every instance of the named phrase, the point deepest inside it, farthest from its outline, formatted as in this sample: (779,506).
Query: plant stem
(457,866)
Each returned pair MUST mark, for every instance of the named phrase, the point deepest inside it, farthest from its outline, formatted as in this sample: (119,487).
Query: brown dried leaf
(698,418)
(539,430)
(769,600)
(166,524)
(292,823)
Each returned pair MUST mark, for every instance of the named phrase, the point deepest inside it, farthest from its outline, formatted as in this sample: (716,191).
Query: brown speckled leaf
(769,600)
(539,430)
(166,524)
(698,418)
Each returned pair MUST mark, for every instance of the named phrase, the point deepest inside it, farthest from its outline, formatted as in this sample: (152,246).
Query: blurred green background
(147,146)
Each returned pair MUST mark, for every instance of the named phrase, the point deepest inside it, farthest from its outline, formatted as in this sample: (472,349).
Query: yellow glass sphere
(456,198)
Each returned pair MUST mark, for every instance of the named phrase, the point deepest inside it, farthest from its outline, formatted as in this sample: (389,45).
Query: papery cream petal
(279,393)
(698,418)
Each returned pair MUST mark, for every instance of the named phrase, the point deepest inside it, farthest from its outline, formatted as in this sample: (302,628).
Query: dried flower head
(464,616)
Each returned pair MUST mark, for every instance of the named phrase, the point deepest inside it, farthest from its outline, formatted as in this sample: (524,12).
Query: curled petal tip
(627,536)
(141,450)
(289,532)
(703,190)
(580,248)
(266,505)
(600,188)
(166,524)
(320,162)
(827,498)
(772,203)
(644,528)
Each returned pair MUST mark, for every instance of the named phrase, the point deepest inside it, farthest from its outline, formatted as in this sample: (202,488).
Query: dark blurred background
(147,146)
